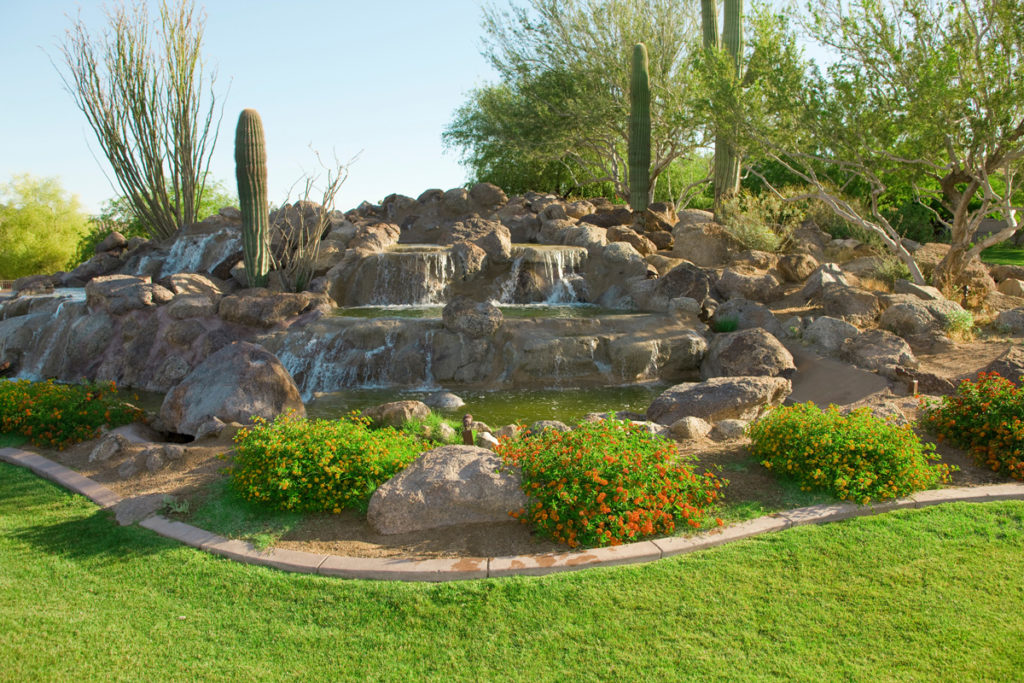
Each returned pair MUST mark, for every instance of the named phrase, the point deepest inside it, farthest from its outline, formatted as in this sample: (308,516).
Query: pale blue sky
(379,77)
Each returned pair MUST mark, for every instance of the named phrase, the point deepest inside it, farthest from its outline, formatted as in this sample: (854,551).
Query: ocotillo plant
(251,171)
(639,130)
(727,160)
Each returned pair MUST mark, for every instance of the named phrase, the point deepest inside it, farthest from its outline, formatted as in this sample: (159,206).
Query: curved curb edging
(465,568)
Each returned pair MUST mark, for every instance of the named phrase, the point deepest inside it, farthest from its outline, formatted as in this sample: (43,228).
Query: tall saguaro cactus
(640,130)
(727,158)
(251,172)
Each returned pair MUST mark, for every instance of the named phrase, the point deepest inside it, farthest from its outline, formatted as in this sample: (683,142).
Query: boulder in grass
(720,398)
(237,383)
(446,486)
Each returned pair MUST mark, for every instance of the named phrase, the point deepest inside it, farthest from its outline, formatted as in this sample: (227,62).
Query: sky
(378,79)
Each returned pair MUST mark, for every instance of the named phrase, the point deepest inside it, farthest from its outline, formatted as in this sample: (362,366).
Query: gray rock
(689,428)
(728,430)
(472,318)
(747,353)
(925,292)
(747,283)
(878,350)
(720,398)
(746,314)
(444,400)
(1009,365)
(110,446)
(1012,320)
(486,440)
(396,413)
(852,304)
(826,274)
(119,294)
(234,384)
(540,425)
(1012,287)
(491,236)
(444,487)
(827,334)
(797,267)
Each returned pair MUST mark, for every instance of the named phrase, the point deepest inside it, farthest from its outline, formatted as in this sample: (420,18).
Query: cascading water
(543,273)
(411,275)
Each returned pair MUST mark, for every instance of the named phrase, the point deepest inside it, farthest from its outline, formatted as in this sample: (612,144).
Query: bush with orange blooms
(857,457)
(607,482)
(986,417)
(55,415)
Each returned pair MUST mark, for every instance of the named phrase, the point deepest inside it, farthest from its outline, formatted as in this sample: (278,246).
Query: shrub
(606,482)
(959,324)
(858,457)
(318,465)
(59,415)
(986,417)
(891,269)
(433,427)
(762,222)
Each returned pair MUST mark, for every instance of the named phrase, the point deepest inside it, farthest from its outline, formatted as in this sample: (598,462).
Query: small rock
(396,413)
(540,425)
(728,430)
(689,428)
(111,445)
(444,400)
(486,440)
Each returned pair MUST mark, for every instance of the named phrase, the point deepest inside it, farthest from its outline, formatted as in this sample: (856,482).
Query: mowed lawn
(912,595)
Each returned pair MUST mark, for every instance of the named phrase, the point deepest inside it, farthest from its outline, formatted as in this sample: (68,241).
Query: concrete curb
(466,568)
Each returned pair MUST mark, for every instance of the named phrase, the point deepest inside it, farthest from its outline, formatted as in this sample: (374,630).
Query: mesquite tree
(143,99)
(927,94)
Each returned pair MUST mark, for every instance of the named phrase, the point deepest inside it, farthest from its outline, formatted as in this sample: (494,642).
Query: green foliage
(118,214)
(722,325)
(958,324)
(640,130)
(562,100)
(59,415)
(891,269)
(986,417)
(251,170)
(433,428)
(40,224)
(762,222)
(223,511)
(858,457)
(318,465)
(605,483)
(1004,253)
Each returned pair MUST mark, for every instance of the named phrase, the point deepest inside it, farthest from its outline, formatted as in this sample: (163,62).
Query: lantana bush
(858,457)
(318,465)
(55,415)
(986,417)
(607,482)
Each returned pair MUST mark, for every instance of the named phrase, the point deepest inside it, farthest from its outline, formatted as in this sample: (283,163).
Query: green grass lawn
(1005,254)
(911,595)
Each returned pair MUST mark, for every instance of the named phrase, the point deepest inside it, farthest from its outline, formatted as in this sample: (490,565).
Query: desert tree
(149,99)
(923,93)
(562,103)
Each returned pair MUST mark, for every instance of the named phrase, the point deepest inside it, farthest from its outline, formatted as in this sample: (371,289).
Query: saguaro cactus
(727,158)
(640,130)
(251,172)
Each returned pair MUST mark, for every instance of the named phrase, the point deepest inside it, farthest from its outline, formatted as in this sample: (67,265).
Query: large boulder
(825,274)
(705,244)
(852,304)
(975,274)
(827,334)
(472,318)
(747,353)
(1009,365)
(746,314)
(720,398)
(878,350)
(119,294)
(909,316)
(621,233)
(797,267)
(748,283)
(375,237)
(686,280)
(263,308)
(446,486)
(1012,321)
(235,384)
(491,236)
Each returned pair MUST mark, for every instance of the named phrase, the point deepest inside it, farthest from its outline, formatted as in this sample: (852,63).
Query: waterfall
(413,276)
(542,273)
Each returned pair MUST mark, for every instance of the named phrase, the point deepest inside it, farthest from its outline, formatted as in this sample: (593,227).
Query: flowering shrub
(59,415)
(987,418)
(858,457)
(606,482)
(318,465)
